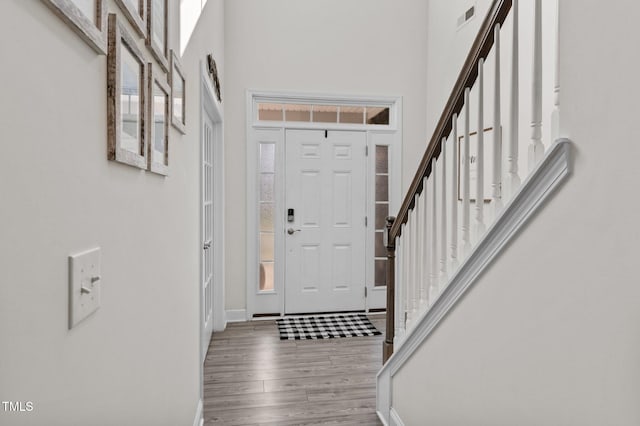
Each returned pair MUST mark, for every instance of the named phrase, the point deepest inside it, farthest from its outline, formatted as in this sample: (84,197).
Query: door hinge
(366,221)
(366,150)
(326,134)
(365,292)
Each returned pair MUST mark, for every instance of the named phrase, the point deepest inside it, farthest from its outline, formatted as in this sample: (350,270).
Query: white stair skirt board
(395,418)
(236,315)
(199,419)
(552,170)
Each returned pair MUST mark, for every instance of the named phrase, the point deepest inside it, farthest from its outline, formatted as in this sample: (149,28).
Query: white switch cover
(84,285)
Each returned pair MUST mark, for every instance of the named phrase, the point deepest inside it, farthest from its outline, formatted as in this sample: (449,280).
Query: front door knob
(292,231)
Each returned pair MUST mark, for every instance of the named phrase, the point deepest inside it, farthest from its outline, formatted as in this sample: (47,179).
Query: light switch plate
(84,285)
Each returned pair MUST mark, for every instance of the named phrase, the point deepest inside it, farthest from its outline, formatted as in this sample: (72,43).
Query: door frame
(209,106)
(274,132)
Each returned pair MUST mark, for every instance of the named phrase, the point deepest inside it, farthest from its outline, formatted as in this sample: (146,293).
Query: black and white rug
(326,327)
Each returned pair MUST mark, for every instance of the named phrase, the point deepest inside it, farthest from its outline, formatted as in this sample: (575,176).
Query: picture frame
(87,18)
(488,164)
(158,31)
(158,119)
(178,97)
(135,10)
(213,73)
(126,97)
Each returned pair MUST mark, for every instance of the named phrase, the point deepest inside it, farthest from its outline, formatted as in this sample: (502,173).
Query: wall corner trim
(552,171)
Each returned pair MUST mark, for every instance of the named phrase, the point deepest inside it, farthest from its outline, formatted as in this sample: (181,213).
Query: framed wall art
(473,165)
(158,31)
(88,18)
(158,114)
(178,98)
(135,11)
(126,87)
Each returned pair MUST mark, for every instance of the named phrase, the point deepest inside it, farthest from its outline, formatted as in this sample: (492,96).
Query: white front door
(325,201)
(207,230)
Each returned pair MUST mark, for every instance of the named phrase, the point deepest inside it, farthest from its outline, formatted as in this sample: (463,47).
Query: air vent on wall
(466,16)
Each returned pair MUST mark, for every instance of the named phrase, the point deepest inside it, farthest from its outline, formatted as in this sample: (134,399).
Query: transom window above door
(311,113)
(321,113)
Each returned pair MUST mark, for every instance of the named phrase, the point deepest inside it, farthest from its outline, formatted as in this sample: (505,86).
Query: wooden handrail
(467,77)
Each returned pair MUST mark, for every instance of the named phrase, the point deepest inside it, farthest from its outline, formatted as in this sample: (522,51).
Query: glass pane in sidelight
(380,279)
(381,250)
(382,211)
(270,112)
(266,247)
(382,188)
(377,115)
(297,112)
(266,276)
(267,187)
(266,217)
(267,157)
(382,159)
(352,114)
(325,114)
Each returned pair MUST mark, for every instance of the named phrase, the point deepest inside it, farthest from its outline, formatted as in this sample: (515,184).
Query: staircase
(481,178)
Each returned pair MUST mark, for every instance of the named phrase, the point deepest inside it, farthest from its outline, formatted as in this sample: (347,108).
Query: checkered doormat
(326,327)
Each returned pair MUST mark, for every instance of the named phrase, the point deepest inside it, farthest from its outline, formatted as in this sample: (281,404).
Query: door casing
(273,132)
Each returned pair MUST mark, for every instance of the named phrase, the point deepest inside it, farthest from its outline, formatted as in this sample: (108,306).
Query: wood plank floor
(251,377)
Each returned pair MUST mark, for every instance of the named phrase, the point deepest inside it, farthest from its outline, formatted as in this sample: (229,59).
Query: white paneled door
(325,229)
(207,230)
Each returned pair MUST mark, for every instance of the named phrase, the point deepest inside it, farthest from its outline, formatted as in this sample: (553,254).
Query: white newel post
(466,180)
(453,229)
(496,172)
(480,227)
(443,216)
(536,148)
(512,180)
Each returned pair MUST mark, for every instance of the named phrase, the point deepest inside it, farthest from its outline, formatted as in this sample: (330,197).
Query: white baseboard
(199,418)
(236,315)
(554,168)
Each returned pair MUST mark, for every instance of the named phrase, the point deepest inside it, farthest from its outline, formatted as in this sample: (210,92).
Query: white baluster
(512,179)
(443,216)
(411,258)
(466,180)
(424,288)
(496,175)
(420,212)
(433,248)
(555,115)
(415,265)
(406,238)
(400,275)
(480,227)
(455,184)
(536,148)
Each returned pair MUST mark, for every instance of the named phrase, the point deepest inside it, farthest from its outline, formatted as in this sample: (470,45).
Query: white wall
(355,47)
(549,334)
(136,360)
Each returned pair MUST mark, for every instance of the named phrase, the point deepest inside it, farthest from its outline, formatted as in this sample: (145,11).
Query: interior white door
(207,231)
(325,198)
